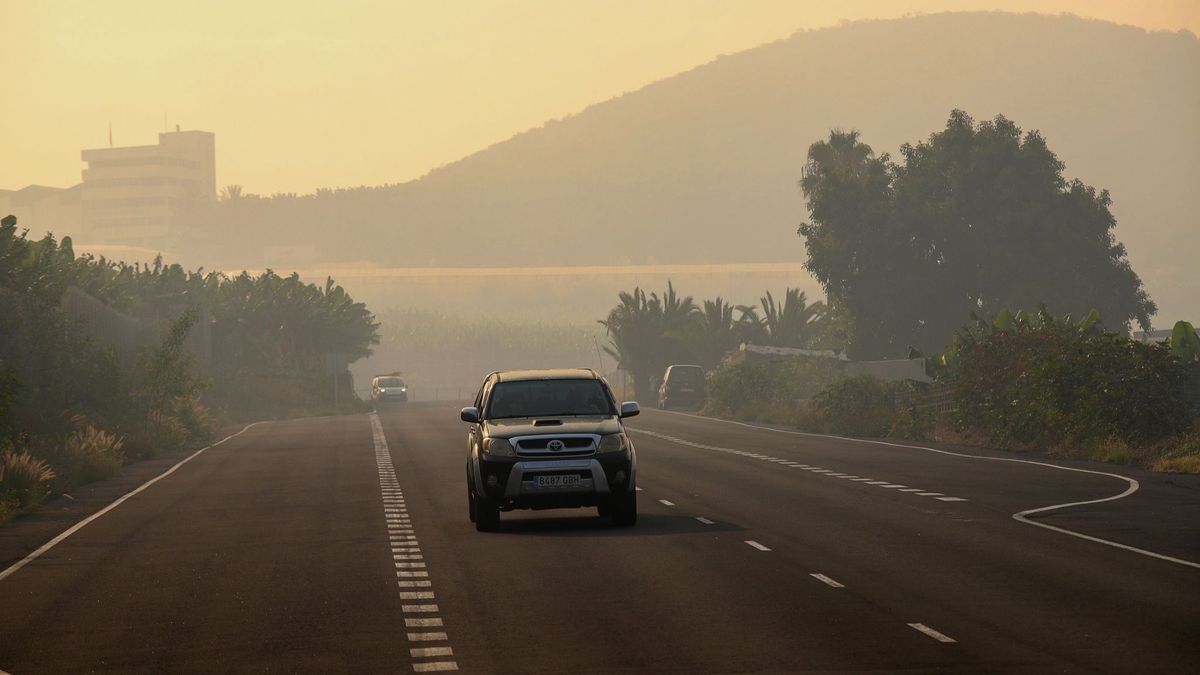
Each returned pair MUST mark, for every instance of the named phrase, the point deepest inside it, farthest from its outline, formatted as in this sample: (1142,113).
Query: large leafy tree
(977,218)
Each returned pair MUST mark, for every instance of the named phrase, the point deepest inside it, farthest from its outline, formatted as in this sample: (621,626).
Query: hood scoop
(547,423)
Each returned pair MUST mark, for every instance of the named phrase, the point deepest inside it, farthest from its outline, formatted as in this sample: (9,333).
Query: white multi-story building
(134,196)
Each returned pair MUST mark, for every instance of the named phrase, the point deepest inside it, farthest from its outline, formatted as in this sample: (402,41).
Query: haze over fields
(702,167)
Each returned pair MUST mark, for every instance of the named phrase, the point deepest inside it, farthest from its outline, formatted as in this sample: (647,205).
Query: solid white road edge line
(81,524)
(1021,516)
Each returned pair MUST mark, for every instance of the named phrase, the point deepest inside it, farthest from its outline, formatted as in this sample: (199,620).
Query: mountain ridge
(702,166)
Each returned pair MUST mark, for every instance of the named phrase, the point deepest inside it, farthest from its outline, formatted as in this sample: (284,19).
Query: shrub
(767,389)
(24,478)
(912,424)
(91,454)
(162,432)
(1180,455)
(1053,387)
(9,505)
(861,405)
(195,419)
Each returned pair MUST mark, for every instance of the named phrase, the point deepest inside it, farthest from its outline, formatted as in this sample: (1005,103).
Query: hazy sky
(306,94)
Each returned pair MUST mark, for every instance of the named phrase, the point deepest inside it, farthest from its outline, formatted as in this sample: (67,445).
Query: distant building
(41,209)
(134,196)
(1160,335)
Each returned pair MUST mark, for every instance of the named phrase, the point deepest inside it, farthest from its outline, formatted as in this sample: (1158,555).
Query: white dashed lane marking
(940,637)
(826,580)
(409,563)
(666,503)
(755,544)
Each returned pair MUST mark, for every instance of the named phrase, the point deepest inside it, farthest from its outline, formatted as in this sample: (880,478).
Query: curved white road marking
(81,524)
(1021,516)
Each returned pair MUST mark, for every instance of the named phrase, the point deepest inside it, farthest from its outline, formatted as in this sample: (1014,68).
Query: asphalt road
(342,545)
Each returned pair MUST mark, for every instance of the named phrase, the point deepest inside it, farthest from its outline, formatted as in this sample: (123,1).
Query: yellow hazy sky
(355,92)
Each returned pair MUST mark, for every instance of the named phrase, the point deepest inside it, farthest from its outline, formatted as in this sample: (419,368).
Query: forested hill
(703,166)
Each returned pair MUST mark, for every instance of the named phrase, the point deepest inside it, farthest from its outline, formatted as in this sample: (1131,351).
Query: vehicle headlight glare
(614,443)
(498,447)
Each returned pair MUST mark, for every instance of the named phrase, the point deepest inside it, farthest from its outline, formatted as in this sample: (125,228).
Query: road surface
(341,544)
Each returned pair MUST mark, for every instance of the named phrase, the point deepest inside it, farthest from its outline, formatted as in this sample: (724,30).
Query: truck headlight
(614,443)
(498,447)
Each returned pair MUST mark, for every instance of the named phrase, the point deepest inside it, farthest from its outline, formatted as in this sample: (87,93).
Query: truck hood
(525,426)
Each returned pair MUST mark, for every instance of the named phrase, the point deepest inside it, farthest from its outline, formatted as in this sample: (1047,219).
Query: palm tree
(646,332)
(792,323)
(718,333)
(634,328)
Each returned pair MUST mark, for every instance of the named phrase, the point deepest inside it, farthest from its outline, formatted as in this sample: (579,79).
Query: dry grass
(24,478)
(93,454)
(1181,464)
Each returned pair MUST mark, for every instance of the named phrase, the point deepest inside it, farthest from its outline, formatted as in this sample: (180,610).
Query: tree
(717,332)
(648,332)
(793,322)
(975,219)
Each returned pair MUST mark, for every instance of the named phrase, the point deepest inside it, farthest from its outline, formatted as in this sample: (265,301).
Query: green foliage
(977,218)
(1052,385)
(647,333)
(912,424)
(768,389)
(149,395)
(1185,344)
(859,405)
(794,322)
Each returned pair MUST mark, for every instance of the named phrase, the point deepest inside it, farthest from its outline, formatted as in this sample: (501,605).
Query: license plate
(556,481)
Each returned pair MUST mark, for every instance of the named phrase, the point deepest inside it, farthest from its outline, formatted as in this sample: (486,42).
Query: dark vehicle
(682,387)
(388,389)
(546,439)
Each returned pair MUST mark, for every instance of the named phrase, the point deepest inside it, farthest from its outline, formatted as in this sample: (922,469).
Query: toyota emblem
(555,445)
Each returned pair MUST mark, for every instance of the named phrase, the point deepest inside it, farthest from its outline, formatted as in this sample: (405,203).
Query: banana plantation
(133,360)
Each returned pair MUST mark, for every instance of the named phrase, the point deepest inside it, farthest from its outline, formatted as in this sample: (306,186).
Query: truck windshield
(549,398)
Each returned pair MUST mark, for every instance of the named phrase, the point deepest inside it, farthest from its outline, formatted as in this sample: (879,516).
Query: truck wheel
(623,509)
(487,514)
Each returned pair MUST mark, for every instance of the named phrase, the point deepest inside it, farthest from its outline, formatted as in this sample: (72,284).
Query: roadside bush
(91,454)
(1179,455)
(1053,388)
(768,390)
(912,424)
(861,405)
(24,478)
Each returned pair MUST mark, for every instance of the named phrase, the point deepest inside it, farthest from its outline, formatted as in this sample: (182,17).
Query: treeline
(649,332)
(1023,381)
(206,349)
